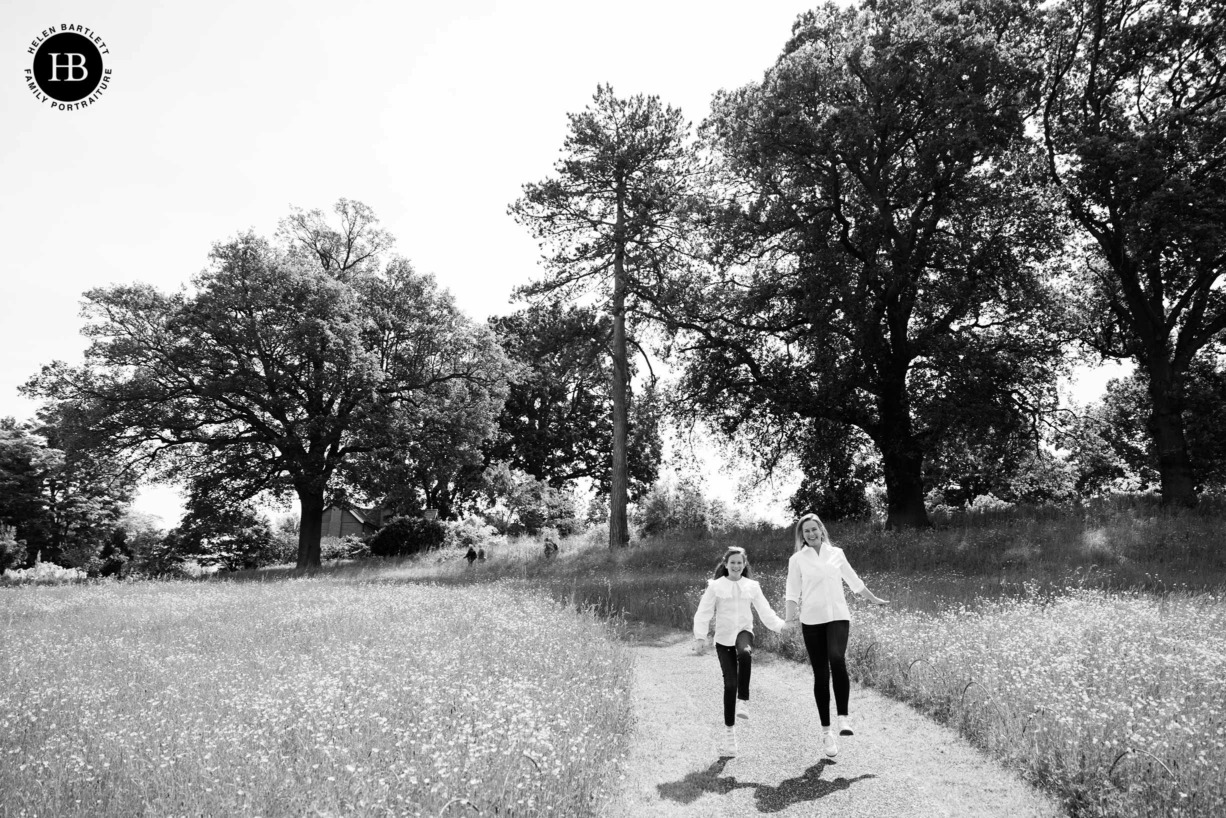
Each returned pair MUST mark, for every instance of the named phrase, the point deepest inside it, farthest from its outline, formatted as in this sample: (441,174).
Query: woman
(814,594)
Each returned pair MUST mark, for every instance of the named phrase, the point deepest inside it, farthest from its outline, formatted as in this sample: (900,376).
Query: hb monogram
(71,66)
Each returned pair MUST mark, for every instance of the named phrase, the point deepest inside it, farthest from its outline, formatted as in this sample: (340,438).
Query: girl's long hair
(800,537)
(721,570)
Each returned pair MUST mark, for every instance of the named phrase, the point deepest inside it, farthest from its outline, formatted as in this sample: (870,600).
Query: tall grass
(304,697)
(1114,701)
(1087,649)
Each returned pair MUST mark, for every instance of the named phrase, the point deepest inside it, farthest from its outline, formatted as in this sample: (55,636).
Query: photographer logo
(68,67)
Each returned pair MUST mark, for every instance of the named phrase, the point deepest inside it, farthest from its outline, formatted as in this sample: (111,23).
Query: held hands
(700,646)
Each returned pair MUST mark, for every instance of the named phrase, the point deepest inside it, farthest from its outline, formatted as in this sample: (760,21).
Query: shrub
(407,535)
(349,547)
(284,547)
(44,573)
(471,531)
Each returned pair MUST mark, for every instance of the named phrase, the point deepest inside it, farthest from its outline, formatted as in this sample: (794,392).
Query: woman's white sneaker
(845,726)
(829,744)
(742,709)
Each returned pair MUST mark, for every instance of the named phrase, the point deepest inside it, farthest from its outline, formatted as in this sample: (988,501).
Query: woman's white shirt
(729,601)
(815,581)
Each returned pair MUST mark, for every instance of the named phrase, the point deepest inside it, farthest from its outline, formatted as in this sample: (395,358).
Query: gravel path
(899,763)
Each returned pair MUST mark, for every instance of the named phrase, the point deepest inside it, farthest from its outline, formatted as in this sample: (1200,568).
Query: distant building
(361,522)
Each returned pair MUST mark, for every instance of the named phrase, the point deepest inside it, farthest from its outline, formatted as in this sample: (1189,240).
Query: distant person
(728,597)
(471,556)
(814,593)
(480,553)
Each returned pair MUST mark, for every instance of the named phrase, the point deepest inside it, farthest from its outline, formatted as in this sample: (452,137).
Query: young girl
(728,597)
(814,593)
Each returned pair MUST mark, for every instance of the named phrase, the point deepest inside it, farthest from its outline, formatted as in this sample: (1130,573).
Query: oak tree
(1134,125)
(881,231)
(279,365)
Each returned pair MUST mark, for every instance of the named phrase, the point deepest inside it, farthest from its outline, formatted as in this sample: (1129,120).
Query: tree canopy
(880,232)
(1134,125)
(280,365)
(556,424)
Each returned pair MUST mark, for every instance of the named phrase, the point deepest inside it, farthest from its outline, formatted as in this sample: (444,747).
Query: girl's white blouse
(730,602)
(816,582)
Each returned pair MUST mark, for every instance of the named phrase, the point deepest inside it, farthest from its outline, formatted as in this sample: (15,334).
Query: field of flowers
(1114,701)
(1111,697)
(307,696)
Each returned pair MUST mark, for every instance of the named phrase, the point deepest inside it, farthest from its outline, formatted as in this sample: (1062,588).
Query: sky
(220,117)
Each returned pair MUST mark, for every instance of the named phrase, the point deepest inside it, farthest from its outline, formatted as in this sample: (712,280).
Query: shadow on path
(808,786)
(691,788)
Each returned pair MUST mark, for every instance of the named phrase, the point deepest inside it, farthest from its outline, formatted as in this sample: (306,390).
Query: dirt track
(899,763)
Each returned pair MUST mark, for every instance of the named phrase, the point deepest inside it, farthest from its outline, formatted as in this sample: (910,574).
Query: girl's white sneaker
(742,709)
(728,747)
(829,744)
(845,726)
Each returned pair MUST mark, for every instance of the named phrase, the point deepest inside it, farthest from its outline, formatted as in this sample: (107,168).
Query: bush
(284,549)
(469,532)
(349,547)
(403,536)
(44,573)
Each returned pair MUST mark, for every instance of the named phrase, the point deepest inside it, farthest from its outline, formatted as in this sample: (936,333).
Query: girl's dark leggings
(736,663)
(826,645)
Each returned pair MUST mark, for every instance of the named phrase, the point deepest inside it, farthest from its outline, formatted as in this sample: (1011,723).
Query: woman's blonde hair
(800,537)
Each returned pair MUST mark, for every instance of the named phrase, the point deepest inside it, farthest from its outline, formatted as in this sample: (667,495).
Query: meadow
(305,697)
(1086,651)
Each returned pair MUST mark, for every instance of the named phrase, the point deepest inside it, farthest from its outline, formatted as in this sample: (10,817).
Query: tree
(521,502)
(1135,131)
(609,220)
(556,423)
(23,461)
(280,365)
(1118,421)
(838,466)
(63,500)
(435,461)
(230,536)
(880,239)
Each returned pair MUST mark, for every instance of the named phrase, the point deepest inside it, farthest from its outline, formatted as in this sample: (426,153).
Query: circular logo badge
(68,71)
(68,67)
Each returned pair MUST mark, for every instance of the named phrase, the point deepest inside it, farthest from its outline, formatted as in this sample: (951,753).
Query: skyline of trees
(877,260)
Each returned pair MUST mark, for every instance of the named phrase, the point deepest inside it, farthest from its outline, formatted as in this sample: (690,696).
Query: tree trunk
(902,460)
(310,528)
(904,488)
(1166,429)
(619,530)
